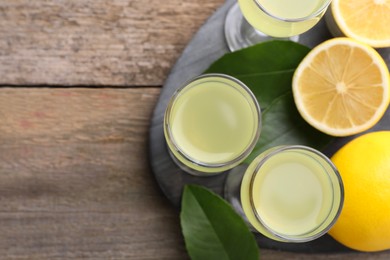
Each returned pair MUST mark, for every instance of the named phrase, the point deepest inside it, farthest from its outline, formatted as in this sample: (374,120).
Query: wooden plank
(75,180)
(74,177)
(89,42)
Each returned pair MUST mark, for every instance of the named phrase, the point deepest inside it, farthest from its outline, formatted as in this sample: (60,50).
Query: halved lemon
(367,21)
(342,87)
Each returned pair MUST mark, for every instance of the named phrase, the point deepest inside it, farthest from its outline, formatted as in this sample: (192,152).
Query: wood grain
(75,180)
(95,42)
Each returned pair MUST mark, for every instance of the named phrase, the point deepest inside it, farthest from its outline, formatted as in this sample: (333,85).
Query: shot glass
(249,22)
(211,124)
(289,193)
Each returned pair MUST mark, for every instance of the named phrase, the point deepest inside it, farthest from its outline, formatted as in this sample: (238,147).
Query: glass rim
(248,148)
(300,19)
(301,237)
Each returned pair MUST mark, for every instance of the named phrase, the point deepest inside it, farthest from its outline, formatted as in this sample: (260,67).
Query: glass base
(240,34)
(189,170)
(232,190)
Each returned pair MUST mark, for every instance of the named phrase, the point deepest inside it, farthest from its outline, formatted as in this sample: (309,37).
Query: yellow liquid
(282,9)
(291,193)
(213,121)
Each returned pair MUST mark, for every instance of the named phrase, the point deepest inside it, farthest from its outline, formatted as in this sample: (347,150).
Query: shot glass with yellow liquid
(211,124)
(288,193)
(249,22)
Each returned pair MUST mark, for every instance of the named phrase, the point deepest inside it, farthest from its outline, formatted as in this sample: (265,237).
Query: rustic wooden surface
(95,42)
(79,81)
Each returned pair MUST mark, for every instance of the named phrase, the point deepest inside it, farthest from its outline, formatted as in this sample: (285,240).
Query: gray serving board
(207,46)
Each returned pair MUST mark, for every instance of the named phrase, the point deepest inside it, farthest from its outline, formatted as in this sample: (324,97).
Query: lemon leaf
(266,68)
(212,229)
(283,125)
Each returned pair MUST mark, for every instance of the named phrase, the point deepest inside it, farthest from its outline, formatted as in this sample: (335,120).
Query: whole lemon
(364,165)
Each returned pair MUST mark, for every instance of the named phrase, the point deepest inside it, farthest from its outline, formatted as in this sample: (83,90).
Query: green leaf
(283,125)
(212,229)
(267,69)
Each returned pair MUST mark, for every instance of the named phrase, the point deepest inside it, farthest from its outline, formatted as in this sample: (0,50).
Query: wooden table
(79,81)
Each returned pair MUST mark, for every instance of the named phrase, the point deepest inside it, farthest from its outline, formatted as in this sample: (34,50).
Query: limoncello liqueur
(212,123)
(283,18)
(291,195)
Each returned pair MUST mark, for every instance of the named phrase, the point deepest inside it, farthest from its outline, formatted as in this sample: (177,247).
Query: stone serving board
(207,46)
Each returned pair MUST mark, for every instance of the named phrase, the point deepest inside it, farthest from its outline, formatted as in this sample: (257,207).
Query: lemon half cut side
(367,21)
(342,87)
